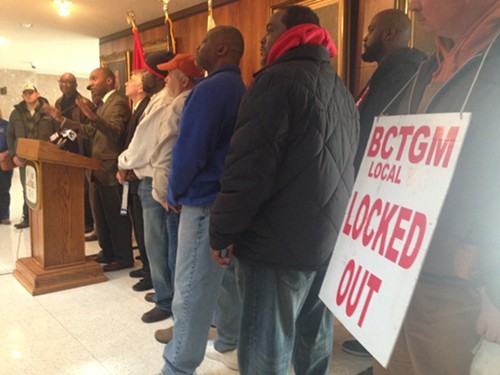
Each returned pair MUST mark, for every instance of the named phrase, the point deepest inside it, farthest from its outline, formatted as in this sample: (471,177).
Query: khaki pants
(438,334)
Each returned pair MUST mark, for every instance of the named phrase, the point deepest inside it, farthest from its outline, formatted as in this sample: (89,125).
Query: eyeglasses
(66,82)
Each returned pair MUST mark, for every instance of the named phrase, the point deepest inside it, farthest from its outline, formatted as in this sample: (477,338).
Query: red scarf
(306,33)
(474,40)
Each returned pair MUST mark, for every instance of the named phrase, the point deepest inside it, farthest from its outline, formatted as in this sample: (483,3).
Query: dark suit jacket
(134,121)
(106,134)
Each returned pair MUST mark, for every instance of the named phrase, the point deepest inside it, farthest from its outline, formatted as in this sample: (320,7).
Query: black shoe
(116,266)
(100,258)
(137,274)
(23,224)
(91,237)
(355,348)
(156,315)
(143,285)
(368,371)
(150,297)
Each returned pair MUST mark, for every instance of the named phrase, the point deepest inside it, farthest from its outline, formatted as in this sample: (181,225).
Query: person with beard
(28,120)
(137,157)
(386,43)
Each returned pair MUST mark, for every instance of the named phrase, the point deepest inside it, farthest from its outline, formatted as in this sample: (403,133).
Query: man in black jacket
(286,183)
(387,44)
(456,302)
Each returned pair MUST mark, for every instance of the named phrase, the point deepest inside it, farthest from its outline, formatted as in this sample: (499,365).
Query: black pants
(5,182)
(135,208)
(114,231)
(26,211)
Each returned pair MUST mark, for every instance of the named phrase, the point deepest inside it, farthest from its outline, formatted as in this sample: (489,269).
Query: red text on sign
(352,290)
(396,225)
(417,144)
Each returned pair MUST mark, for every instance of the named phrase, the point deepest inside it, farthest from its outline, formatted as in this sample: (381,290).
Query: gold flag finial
(170,29)
(131,18)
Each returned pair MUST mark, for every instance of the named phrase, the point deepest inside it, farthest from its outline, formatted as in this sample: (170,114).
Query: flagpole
(171,46)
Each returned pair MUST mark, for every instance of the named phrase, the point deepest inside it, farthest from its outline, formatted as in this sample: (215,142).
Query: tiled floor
(89,330)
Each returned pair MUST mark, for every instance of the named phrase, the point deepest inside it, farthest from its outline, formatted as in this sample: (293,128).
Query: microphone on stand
(61,137)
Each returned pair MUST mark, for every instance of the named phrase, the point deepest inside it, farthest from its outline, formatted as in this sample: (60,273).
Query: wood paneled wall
(249,16)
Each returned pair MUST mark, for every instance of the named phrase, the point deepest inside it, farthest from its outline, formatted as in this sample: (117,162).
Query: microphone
(60,138)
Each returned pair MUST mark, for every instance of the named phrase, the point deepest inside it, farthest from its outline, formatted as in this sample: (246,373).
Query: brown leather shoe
(5,222)
(23,224)
(115,266)
(155,315)
(164,336)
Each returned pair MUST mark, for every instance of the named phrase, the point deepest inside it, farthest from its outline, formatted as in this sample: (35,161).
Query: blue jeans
(172,223)
(198,281)
(156,240)
(283,321)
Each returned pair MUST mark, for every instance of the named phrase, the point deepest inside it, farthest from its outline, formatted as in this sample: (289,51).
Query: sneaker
(23,224)
(229,358)
(164,336)
(355,348)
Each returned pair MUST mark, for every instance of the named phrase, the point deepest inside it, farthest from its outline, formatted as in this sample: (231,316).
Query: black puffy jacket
(289,170)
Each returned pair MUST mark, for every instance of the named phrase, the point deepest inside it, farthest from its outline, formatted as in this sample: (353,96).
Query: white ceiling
(56,44)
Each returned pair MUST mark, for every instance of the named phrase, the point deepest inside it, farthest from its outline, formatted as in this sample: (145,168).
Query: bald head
(222,45)
(67,84)
(388,31)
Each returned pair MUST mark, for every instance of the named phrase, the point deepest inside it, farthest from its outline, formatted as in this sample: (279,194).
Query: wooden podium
(54,193)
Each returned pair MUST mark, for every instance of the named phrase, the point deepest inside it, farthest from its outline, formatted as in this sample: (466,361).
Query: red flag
(138,61)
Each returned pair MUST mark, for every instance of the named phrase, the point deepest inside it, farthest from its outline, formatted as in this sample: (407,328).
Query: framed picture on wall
(333,17)
(120,65)
(419,38)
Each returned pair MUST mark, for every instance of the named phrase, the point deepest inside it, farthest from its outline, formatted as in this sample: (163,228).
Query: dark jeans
(5,182)
(283,321)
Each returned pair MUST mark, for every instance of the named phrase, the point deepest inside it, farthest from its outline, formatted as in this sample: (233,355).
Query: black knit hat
(156,58)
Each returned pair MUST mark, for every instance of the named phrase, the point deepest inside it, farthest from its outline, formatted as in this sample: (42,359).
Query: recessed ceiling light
(63,7)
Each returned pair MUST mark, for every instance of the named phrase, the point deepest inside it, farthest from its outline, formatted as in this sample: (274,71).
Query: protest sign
(394,207)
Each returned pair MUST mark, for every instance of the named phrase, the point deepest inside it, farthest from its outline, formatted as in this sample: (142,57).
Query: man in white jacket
(149,155)
(180,80)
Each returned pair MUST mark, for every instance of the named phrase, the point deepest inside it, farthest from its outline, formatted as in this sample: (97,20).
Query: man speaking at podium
(105,130)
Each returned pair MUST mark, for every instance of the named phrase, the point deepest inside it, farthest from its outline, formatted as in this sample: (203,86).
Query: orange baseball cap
(185,63)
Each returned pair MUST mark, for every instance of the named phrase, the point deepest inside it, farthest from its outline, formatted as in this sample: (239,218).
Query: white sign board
(401,185)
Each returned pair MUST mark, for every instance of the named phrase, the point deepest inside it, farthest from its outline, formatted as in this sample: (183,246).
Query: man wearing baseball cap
(28,120)
(179,82)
